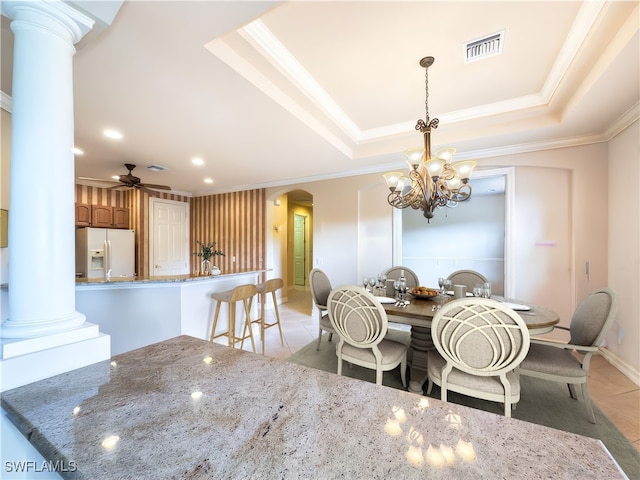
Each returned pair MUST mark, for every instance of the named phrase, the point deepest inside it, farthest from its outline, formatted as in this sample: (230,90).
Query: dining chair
(320,288)
(410,276)
(551,360)
(468,278)
(479,343)
(360,322)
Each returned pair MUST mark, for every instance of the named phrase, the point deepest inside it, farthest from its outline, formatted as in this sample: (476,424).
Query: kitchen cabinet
(83,215)
(101,216)
(120,217)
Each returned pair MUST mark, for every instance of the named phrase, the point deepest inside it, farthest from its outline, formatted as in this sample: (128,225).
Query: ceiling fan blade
(144,189)
(117,186)
(156,187)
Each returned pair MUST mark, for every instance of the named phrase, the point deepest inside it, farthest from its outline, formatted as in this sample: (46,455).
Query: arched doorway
(290,245)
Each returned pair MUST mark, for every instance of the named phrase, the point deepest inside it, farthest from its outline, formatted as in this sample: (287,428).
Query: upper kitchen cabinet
(101,216)
(83,215)
(120,217)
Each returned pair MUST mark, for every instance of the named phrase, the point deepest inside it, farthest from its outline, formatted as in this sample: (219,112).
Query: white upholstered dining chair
(410,276)
(479,343)
(360,322)
(320,288)
(551,360)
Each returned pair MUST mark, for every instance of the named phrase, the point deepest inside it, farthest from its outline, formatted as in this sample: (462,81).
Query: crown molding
(6,102)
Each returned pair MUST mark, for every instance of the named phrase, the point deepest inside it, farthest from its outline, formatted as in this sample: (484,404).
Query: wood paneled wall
(236,222)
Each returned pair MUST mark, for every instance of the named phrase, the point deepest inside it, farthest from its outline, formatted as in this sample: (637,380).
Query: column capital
(53,15)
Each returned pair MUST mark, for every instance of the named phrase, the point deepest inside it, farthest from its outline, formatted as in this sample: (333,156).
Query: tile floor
(616,395)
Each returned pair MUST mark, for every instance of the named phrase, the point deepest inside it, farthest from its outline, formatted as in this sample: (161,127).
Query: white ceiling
(271,93)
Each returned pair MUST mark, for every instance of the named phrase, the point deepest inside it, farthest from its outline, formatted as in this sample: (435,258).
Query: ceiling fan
(131,181)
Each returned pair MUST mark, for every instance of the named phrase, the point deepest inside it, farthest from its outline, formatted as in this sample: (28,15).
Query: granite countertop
(187,408)
(165,278)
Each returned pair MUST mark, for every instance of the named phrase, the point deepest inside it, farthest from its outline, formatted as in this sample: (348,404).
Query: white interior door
(168,237)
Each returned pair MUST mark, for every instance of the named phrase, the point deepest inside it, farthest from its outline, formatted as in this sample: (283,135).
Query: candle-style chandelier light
(432,182)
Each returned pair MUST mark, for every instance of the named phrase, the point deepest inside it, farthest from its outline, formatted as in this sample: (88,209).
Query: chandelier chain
(426,96)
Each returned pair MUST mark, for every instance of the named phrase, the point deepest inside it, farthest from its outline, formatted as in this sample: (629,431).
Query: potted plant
(206,252)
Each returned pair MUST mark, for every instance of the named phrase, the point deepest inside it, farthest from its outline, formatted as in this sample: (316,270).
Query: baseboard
(626,369)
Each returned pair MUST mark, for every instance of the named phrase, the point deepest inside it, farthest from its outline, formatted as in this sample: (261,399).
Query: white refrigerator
(105,253)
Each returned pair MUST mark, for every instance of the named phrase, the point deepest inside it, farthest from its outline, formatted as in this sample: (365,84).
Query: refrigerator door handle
(107,260)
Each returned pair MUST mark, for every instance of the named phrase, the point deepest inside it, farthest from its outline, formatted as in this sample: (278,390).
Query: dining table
(419,312)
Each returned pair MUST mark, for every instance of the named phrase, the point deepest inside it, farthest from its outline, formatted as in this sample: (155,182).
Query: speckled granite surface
(186,408)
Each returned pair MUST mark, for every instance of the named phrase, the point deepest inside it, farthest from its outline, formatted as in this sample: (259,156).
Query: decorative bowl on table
(424,293)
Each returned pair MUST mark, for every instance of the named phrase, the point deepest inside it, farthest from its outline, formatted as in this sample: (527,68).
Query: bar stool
(244,293)
(270,286)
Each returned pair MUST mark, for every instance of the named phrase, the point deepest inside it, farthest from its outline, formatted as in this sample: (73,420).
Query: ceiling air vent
(483,47)
(157,168)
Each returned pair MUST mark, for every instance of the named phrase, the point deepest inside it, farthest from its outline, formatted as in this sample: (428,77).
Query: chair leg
(572,391)
(262,322)
(587,402)
(339,365)
(429,386)
(215,321)
(319,338)
(247,322)
(379,376)
(403,371)
(232,325)
(320,330)
(275,306)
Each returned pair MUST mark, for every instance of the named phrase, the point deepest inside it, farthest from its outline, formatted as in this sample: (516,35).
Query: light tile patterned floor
(616,395)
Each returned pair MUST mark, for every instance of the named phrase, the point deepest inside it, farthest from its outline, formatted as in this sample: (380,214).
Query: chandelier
(432,181)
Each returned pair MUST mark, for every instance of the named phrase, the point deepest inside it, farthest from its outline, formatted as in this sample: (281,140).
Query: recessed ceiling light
(208,180)
(197,161)
(113,134)
(77,151)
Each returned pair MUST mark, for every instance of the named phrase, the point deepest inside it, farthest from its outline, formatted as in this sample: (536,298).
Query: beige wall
(623,254)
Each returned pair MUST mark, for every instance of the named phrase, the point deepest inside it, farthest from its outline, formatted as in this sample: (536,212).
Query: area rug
(542,402)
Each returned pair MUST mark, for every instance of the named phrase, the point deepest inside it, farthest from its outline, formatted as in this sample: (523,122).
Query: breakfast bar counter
(137,312)
(187,408)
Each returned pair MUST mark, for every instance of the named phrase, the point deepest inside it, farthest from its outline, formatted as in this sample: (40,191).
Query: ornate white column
(41,210)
